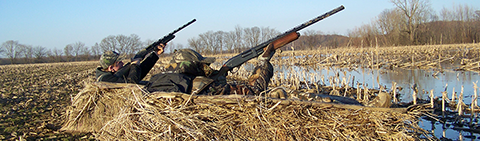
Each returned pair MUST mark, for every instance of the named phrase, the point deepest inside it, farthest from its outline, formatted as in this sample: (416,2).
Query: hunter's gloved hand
(268,53)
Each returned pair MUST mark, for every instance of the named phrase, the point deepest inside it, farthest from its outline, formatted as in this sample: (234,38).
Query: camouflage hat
(109,58)
(190,55)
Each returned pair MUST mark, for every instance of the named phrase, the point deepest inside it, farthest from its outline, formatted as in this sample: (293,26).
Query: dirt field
(34,98)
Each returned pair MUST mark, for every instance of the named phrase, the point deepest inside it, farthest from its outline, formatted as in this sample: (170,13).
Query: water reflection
(438,80)
(425,80)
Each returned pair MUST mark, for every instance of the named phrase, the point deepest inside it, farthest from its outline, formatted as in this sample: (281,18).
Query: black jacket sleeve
(130,73)
(147,64)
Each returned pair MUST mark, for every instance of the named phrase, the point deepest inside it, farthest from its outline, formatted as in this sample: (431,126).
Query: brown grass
(35,96)
(124,112)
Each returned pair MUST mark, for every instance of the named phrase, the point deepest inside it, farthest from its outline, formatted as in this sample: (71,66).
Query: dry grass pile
(124,112)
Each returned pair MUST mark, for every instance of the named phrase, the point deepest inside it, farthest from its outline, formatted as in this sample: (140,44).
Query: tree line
(17,53)
(232,42)
(412,22)
(207,43)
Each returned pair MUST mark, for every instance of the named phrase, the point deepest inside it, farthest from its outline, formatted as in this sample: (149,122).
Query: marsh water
(425,81)
(442,78)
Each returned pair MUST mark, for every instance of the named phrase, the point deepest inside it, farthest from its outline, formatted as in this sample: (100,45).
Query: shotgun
(277,42)
(164,40)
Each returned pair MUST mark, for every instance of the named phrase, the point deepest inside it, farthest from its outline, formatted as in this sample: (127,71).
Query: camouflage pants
(257,82)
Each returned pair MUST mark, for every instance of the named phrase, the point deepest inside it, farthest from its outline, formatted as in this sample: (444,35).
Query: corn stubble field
(35,97)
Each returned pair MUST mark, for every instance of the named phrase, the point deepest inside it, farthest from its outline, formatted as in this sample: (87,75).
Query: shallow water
(425,80)
(438,80)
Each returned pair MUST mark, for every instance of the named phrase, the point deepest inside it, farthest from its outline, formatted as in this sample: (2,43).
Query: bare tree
(459,25)
(95,50)
(365,35)
(268,33)
(77,49)
(68,51)
(477,15)
(74,50)
(134,43)
(389,23)
(2,50)
(219,42)
(121,43)
(85,53)
(233,40)
(54,55)
(252,36)
(309,38)
(206,42)
(415,12)
(446,14)
(412,22)
(27,53)
(128,44)
(57,53)
(109,43)
(12,49)
(39,53)
(230,39)
(194,44)
(255,35)
(477,26)
(466,15)
(239,42)
(50,56)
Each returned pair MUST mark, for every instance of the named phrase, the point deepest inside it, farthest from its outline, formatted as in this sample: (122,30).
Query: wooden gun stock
(285,40)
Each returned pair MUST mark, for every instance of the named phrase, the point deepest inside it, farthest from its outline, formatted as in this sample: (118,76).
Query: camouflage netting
(125,112)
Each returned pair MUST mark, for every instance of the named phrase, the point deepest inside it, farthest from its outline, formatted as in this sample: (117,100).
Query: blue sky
(56,23)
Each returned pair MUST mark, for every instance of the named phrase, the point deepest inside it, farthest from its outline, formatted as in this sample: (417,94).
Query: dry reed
(125,112)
